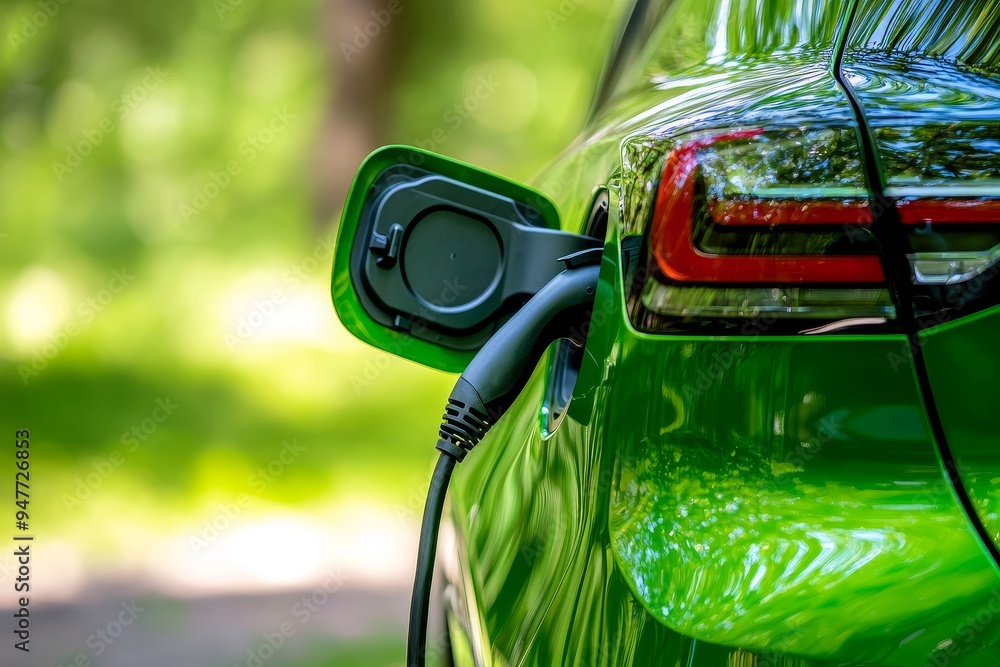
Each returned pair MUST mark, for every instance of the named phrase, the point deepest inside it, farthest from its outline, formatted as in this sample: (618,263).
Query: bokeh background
(209,445)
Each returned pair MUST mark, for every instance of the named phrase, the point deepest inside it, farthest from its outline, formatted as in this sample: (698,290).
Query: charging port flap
(433,253)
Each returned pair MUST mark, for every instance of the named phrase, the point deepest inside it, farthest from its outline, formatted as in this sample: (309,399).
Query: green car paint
(741,500)
(961,363)
(813,520)
(752,499)
(811,516)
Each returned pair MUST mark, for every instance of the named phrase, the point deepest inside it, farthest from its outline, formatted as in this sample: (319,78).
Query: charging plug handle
(484,392)
(502,367)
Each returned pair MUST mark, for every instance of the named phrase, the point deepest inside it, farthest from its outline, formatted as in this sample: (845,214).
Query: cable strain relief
(452,450)
(465,420)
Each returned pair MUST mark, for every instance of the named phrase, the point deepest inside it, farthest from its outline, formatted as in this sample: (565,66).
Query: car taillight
(914,211)
(753,224)
(954,236)
(954,240)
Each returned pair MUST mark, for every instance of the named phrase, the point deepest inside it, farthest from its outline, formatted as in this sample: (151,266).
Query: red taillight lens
(949,211)
(750,222)
(775,212)
(672,234)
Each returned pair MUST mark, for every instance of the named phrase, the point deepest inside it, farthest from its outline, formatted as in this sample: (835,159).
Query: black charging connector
(483,393)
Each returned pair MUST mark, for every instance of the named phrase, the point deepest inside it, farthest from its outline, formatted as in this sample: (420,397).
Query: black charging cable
(483,393)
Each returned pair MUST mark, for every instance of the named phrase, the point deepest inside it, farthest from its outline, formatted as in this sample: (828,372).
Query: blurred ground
(353,628)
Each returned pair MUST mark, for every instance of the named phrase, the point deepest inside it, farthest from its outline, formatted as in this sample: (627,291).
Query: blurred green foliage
(175,144)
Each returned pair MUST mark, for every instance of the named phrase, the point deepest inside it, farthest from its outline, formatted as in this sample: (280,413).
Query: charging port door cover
(433,255)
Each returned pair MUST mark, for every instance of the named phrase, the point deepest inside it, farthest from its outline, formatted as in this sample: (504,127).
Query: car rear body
(780,448)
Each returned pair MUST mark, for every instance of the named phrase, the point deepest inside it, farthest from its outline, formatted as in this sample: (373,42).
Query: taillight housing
(953,236)
(754,225)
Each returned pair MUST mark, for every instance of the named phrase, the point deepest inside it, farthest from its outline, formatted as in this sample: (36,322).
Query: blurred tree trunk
(360,50)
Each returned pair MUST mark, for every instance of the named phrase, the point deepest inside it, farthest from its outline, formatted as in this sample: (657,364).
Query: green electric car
(772,439)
